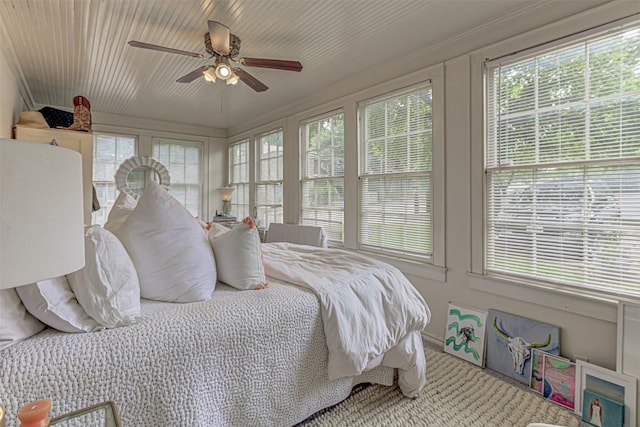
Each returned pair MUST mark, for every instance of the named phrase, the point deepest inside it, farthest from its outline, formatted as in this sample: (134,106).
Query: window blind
(239,178)
(322,170)
(396,140)
(109,151)
(184,160)
(563,165)
(269,178)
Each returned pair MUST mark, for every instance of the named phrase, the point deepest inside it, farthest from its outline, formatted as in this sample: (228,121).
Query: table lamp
(41,213)
(225,195)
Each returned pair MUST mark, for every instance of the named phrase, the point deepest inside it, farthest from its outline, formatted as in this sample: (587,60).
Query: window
(562,165)
(239,178)
(322,170)
(269,178)
(109,151)
(183,159)
(396,140)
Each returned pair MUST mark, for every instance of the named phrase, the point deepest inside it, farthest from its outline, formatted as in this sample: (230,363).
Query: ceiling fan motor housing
(234,45)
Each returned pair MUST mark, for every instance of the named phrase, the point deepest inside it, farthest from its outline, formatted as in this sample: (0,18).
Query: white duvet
(371,313)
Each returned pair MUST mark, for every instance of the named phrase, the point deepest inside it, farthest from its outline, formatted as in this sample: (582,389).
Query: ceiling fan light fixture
(233,79)
(210,75)
(223,71)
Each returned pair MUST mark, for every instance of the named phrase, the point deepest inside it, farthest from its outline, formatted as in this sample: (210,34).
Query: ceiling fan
(224,48)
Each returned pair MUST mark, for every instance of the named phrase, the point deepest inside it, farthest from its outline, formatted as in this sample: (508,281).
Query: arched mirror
(133,173)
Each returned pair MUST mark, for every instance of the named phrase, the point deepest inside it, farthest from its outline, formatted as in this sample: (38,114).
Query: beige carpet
(457,394)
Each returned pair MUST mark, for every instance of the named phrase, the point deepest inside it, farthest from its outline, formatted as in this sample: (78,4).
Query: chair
(300,234)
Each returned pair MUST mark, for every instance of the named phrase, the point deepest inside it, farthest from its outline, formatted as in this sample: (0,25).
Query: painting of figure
(510,340)
(601,411)
(465,333)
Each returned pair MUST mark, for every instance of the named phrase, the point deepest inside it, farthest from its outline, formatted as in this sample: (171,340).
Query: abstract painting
(510,340)
(560,381)
(465,333)
(537,370)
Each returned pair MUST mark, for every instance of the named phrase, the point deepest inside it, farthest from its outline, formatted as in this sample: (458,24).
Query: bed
(258,358)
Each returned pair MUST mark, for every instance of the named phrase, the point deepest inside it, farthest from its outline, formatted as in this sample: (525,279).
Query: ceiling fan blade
(188,78)
(164,49)
(277,64)
(250,81)
(219,34)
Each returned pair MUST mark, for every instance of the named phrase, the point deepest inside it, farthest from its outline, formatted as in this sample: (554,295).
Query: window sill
(547,295)
(425,271)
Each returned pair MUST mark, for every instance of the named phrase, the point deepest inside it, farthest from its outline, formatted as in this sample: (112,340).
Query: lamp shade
(225,193)
(41,212)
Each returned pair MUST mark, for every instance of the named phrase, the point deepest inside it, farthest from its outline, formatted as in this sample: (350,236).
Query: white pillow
(15,322)
(216,230)
(107,287)
(53,302)
(169,249)
(239,257)
(120,211)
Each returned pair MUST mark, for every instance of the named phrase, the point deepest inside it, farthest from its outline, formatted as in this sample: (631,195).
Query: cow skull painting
(519,348)
(511,340)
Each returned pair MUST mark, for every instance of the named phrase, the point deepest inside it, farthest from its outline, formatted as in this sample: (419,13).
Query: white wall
(587,324)
(10,101)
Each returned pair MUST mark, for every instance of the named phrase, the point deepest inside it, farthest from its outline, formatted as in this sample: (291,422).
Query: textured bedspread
(242,358)
(368,308)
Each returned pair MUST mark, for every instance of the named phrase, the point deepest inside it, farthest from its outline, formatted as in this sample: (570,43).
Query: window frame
(304,176)
(519,288)
(96,135)
(362,135)
(257,182)
(246,183)
(168,140)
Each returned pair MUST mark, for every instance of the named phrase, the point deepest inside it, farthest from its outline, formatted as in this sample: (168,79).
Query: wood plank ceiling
(62,48)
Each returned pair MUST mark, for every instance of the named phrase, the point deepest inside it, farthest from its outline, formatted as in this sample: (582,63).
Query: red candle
(35,414)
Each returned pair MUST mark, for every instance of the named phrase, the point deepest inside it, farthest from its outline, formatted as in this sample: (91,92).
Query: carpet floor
(457,394)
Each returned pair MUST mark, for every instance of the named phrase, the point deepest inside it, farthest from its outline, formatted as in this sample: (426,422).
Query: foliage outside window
(563,165)
(269,178)
(239,178)
(396,141)
(184,161)
(109,151)
(322,170)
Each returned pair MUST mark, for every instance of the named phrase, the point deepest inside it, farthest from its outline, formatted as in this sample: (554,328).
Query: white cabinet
(74,140)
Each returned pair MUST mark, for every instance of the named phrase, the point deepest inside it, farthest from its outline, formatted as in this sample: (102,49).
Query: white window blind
(396,140)
(563,165)
(239,178)
(109,151)
(184,160)
(322,181)
(269,178)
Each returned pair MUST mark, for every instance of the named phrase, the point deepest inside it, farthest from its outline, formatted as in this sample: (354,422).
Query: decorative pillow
(15,322)
(107,287)
(216,230)
(122,208)
(169,250)
(53,303)
(239,257)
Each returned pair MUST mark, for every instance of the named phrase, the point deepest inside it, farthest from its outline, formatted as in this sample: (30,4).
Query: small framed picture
(601,411)
(608,384)
(465,334)
(537,370)
(559,380)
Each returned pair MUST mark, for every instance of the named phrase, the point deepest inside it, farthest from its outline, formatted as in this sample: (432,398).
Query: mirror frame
(136,162)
